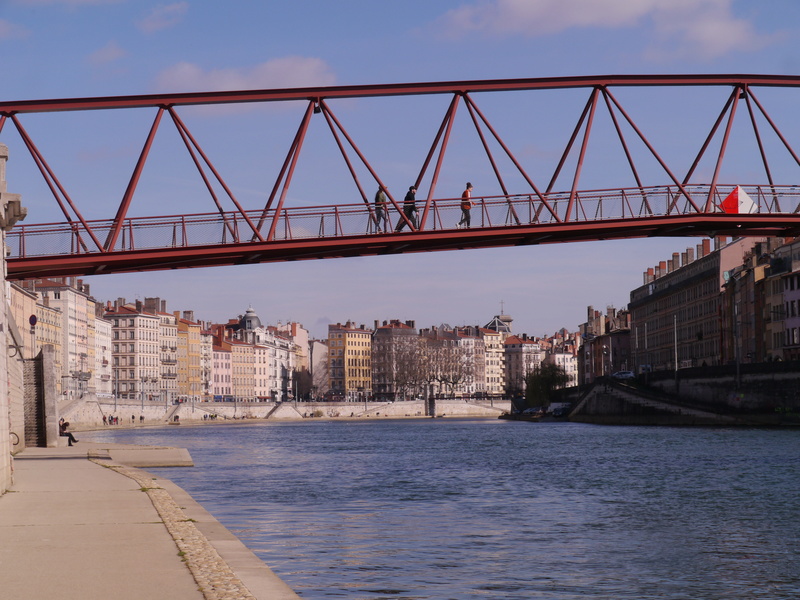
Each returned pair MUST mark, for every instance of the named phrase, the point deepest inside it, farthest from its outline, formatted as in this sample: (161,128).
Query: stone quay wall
(89,411)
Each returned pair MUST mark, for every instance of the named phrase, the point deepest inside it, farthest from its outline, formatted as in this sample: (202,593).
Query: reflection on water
(468,509)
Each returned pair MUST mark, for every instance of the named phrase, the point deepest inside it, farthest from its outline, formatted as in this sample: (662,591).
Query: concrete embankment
(90,412)
(82,522)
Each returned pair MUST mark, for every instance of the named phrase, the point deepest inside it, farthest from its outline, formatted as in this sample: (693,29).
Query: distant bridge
(530,213)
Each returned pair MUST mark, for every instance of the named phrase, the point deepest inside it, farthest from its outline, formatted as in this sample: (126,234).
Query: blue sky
(83,48)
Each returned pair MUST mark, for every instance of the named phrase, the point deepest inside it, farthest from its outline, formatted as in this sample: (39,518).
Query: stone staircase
(612,402)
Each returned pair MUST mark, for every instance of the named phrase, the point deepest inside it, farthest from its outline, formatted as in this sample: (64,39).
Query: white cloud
(538,17)
(109,53)
(700,28)
(10,31)
(287,72)
(163,16)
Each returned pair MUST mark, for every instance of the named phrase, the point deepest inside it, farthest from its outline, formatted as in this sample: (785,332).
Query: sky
(88,48)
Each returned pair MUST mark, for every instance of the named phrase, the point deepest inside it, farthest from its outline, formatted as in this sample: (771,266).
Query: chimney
(706,247)
(684,259)
(676,263)
(188,315)
(163,306)
(138,306)
(690,255)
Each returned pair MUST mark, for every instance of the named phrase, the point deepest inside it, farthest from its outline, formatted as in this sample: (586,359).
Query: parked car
(623,375)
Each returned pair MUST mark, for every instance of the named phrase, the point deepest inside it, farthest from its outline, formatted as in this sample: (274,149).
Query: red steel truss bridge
(735,145)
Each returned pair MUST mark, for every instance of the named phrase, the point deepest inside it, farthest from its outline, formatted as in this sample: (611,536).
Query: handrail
(345,220)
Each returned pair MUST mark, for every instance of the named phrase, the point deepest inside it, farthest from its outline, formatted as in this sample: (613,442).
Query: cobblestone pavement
(213,575)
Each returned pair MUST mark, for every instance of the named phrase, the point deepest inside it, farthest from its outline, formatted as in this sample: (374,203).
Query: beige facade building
(242,369)
(350,361)
(190,352)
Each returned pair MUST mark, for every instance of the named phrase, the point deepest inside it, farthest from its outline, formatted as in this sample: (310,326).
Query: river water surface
(440,509)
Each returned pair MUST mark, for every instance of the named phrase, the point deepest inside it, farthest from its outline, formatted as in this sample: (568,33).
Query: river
(440,509)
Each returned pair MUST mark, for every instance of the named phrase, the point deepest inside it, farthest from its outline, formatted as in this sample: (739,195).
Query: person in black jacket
(409,209)
(62,431)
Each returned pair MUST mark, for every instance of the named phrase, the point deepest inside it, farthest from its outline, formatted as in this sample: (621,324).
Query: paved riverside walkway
(80,523)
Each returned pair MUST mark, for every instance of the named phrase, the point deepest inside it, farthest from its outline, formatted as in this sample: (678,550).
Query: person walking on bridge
(466,206)
(380,211)
(409,209)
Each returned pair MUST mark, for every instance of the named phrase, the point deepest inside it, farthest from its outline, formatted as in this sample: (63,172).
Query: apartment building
(167,350)
(102,333)
(350,362)
(135,351)
(675,315)
(221,387)
(25,321)
(495,363)
(242,369)
(523,356)
(71,298)
(394,345)
(190,352)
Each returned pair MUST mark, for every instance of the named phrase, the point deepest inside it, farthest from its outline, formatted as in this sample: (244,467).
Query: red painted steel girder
(719,224)
(401,89)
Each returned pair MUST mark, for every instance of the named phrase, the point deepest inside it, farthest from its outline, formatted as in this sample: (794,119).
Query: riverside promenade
(83,522)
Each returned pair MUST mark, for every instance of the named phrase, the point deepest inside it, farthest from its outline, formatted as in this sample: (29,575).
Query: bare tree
(455,366)
(396,366)
(320,380)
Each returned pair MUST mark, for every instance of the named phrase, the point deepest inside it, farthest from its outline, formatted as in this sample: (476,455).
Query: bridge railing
(325,222)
